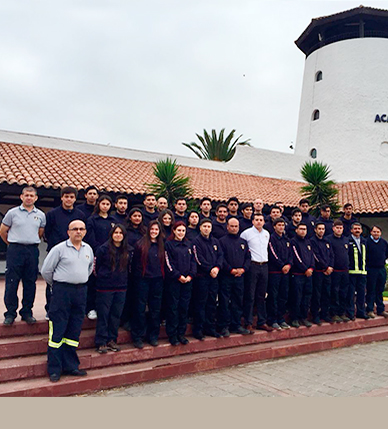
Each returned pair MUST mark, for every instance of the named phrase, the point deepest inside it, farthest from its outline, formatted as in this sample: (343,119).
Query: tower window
(318,76)
(313,153)
(315,115)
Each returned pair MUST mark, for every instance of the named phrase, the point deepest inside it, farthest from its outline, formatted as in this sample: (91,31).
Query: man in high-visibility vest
(357,273)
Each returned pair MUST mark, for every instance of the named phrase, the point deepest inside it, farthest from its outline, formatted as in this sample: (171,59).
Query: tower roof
(351,24)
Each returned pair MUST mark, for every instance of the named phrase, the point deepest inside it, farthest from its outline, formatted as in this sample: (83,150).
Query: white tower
(343,118)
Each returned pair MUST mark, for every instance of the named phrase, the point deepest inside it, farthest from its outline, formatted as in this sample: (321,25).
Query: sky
(150,74)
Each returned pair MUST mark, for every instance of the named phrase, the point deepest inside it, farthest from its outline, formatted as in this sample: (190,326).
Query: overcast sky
(149,74)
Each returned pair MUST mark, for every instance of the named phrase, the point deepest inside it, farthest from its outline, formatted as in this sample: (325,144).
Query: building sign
(381,118)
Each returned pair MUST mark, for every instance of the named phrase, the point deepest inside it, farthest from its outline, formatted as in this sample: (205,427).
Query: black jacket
(208,254)
(218,229)
(340,248)
(98,229)
(376,253)
(236,253)
(153,267)
(323,253)
(179,259)
(279,253)
(328,225)
(302,254)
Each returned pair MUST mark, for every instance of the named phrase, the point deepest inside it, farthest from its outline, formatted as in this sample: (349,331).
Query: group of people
(153,264)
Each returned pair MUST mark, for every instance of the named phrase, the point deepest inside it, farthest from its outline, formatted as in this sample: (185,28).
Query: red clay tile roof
(54,168)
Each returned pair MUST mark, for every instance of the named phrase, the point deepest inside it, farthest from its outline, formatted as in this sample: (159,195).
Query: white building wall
(353,90)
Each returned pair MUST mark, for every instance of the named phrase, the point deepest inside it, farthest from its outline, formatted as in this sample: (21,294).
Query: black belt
(259,263)
(72,285)
(24,245)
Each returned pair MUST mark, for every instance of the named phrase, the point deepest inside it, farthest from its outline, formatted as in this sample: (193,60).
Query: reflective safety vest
(359,266)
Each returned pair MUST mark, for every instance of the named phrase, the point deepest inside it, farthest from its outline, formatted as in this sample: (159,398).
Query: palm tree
(319,189)
(216,148)
(169,183)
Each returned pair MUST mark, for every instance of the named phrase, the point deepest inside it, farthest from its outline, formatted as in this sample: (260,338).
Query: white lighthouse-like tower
(343,118)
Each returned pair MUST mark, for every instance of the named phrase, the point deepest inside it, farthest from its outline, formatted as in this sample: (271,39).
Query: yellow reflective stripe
(70,342)
(355,251)
(356,264)
(52,343)
(363,247)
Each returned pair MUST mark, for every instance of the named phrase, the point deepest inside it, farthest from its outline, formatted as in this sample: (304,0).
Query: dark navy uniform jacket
(328,225)
(208,254)
(376,253)
(133,236)
(302,254)
(121,219)
(98,229)
(86,209)
(148,217)
(180,218)
(309,220)
(236,253)
(192,233)
(57,222)
(180,259)
(218,229)
(290,230)
(244,224)
(279,253)
(340,248)
(348,224)
(323,253)
(108,279)
(153,266)
(269,226)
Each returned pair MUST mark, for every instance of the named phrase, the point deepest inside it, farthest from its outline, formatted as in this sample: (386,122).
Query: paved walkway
(361,370)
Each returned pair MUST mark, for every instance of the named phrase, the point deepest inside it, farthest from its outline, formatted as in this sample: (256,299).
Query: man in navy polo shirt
(22,229)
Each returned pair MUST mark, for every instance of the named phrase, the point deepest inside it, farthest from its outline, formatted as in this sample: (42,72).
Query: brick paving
(361,370)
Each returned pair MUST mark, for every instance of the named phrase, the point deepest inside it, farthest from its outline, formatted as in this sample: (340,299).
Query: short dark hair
(220,206)
(338,222)
(304,201)
(235,199)
(378,227)
(295,211)
(148,195)
(89,188)
(275,208)
(302,224)
(278,220)
(324,207)
(256,215)
(180,199)
(121,197)
(204,220)
(319,223)
(246,205)
(69,190)
(355,224)
(348,205)
(205,199)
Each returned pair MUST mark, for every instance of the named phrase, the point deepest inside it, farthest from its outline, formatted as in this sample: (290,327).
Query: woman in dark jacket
(192,230)
(148,272)
(166,219)
(112,262)
(135,226)
(180,271)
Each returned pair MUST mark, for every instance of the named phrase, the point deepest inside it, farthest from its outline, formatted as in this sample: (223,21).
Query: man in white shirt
(256,287)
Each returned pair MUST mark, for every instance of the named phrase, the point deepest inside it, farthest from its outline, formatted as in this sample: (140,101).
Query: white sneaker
(92,315)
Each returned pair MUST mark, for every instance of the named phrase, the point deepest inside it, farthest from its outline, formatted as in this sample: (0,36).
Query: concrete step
(129,373)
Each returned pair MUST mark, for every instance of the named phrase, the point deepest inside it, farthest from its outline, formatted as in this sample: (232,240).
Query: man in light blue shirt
(67,268)
(22,228)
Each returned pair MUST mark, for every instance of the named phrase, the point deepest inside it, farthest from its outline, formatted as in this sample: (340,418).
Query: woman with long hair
(98,227)
(148,272)
(112,263)
(166,219)
(180,271)
(135,226)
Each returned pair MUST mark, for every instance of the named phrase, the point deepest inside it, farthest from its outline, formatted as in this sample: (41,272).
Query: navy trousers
(320,301)
(109,306)
(66,313)
(300,296)
(339,292)
(22,264)
(178,297)
(230,302)
(278,287)
(205,303)
(375,284)
(356,293)
(147,291)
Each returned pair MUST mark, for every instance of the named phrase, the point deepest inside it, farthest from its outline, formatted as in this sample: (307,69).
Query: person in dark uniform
(180,271)
(233,205)
(246,218)
(324,263)
(357,273)
(192,230)
(121,206)
(279,266)
(237,261)
(58,220)
(149,212)
(301,282)
(296,218)
(348,219)
(21,229)
(280,204)
(67,268)
(308,219)
(91,195)
(326,219)
(219,223)
(376,254)
(98,227)
(205,207)
(112,264)
(275,213)
(166,219)
(209,258)
(340,275)
(148,272)
(180,210)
